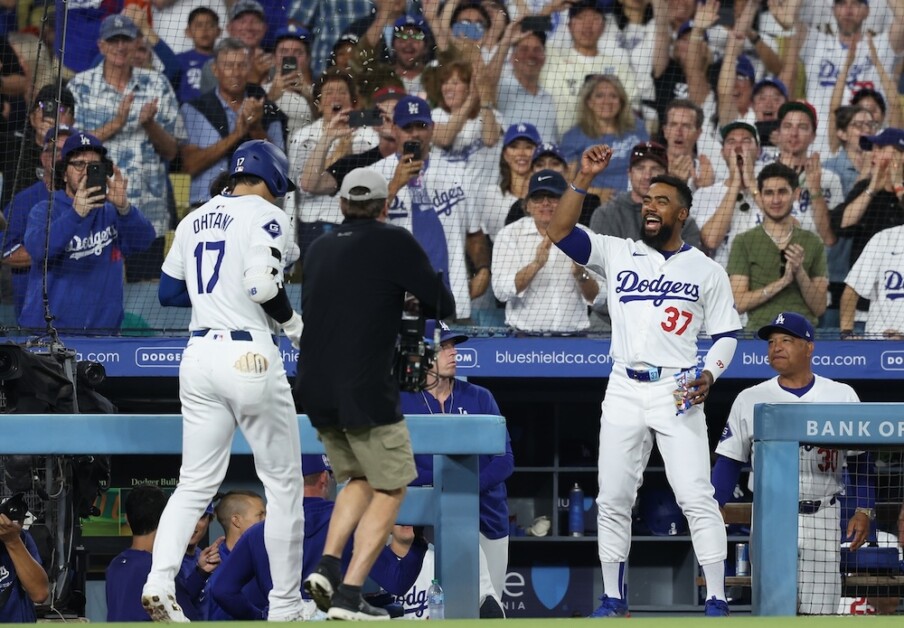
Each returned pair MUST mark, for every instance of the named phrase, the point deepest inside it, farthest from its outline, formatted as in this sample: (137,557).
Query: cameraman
(23,582)
(355,278)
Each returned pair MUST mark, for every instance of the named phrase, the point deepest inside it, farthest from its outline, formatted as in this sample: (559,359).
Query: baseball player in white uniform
(790,338)
(661,292)
(226,263)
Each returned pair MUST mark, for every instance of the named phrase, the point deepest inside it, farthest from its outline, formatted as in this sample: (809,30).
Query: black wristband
(846,333)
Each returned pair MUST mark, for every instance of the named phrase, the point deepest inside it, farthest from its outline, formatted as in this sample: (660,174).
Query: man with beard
(661,293)
(778,266)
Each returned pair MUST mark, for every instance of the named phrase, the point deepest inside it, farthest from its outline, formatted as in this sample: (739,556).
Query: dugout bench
(451,505)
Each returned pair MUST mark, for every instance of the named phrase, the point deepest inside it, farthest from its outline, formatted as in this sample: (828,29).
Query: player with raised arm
(226,263)
(661,292)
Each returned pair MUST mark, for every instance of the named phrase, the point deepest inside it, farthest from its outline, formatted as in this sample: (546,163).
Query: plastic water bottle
(436,601)
(576,511)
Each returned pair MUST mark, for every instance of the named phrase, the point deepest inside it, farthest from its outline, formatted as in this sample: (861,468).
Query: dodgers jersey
(444,188)
(658,306)
(878,275)
(820,467)
(210,253)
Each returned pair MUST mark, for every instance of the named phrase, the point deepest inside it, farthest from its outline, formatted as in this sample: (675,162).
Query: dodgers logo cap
(546,181)
(548,148)
(888,137)
(315,463)
(117,26)
(789,323)
(445,332)
(411,109)
(82,141)
(522,131)
(363,184)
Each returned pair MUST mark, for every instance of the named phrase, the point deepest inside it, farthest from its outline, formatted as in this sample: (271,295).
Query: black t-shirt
(355,279)
(346,164)
(883,212)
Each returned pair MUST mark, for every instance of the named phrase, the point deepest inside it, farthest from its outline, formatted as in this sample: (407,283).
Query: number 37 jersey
(211,251)
(658,306)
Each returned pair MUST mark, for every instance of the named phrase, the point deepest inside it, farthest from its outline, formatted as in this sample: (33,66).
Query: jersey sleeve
(737,437)
(600,247)
(174,264)
(720,313)
(271,228)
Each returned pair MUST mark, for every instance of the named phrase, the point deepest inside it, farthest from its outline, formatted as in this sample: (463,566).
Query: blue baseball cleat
(716,608)
(611,607)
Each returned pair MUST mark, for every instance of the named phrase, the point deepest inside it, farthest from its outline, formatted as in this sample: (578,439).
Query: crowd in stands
(785,118)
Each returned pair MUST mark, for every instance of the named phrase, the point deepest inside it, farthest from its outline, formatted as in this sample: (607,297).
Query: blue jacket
(17,213)
(243,583)
(469,398)
(126,575)
(19,609)
(85,263)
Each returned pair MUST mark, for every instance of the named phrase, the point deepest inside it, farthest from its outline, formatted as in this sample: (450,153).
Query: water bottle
(436,601)
(576,511)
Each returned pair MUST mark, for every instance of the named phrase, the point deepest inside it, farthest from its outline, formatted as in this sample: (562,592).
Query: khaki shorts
(380,454)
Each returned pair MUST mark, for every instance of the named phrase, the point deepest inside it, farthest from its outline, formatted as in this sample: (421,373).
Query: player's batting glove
(293,328)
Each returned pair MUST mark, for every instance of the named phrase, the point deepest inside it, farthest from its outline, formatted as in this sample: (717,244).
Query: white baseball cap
(367,184)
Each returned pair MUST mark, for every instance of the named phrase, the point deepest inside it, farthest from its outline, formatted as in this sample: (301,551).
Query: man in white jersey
(661,292)
(790,338)
(226,263)
(878,276)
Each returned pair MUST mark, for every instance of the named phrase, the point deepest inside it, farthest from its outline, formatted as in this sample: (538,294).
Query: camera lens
(91,374)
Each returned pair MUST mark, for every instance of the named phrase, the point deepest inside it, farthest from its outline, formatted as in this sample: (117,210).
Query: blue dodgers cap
(411,109)
(82,141)
(546,181)
(888,137)
(772,82)
(293,32)
(599,6)
(117,26)
(445,332)
(745,68)
(411,21)
(522,131)
(548,148)
(312,464)
(789,323)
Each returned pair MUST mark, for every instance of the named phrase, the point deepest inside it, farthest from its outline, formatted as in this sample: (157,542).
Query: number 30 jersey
(659,305)
(211,253)
(820,467)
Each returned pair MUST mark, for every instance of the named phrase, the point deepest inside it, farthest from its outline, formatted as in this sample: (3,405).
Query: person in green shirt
(777,266)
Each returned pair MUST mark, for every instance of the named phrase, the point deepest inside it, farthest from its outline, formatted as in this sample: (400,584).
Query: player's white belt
(812,506)
(653,374)
(239,335)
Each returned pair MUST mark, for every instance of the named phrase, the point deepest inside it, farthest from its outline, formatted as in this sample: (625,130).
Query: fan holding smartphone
(291,82)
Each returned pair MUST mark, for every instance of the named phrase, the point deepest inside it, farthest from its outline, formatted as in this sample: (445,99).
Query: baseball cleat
(321,585)
(163,608)
(715,608)
(611,607)
(354,608)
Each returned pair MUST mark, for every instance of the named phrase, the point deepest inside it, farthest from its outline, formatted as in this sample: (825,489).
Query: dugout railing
(450,506)
(779,430)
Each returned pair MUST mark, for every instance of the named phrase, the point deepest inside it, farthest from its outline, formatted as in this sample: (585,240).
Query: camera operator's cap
(117,26)
(522,131)
(53,132)
(798,105)
(246,6)
(411,109)
(599,6)
(650,150)
(888,137)
(411,21)
(312,464)
(389,92)
(82,141)
(789,323)
(292,32)
(546,181)
(446,333)
(363,184)
(739,124)
(771,82)
(548,148)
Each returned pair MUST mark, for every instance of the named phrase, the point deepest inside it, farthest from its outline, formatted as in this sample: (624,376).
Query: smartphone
(289,65)
(764,129)
(536,24)
(468,30)
(413,148)
(365,117)
(97,177)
